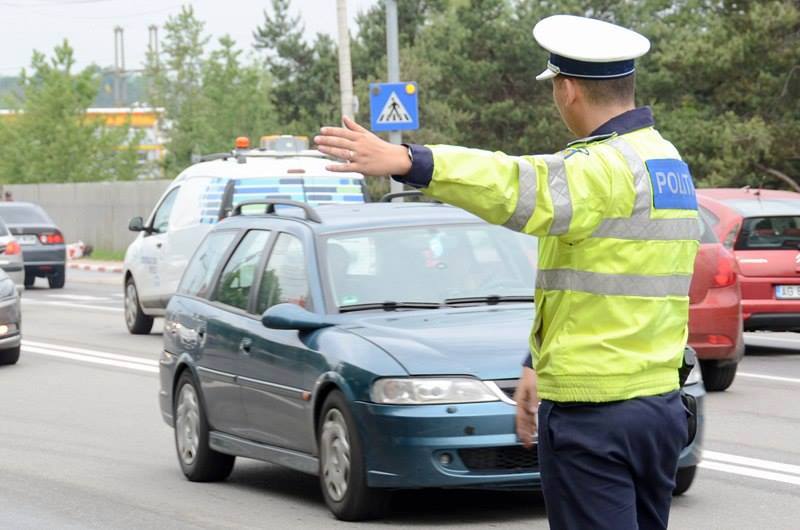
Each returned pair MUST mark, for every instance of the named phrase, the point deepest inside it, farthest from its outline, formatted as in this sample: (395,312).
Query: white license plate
(787,291)
(26,240)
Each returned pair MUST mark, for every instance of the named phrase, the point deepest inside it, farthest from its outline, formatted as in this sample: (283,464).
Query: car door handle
(245,345)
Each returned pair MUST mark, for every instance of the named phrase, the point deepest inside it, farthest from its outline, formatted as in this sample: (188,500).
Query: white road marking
(752,462)
(81,297)
(769,377)
(750,472)
(91,356)
(760,339)
(27,301)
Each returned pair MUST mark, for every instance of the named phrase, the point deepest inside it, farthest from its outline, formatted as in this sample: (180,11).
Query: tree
(50,137)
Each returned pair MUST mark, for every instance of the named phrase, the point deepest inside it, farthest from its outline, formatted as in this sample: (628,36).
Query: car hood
(485,342)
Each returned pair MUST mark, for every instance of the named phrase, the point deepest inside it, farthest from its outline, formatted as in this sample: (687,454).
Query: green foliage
(50,137)
(209,98)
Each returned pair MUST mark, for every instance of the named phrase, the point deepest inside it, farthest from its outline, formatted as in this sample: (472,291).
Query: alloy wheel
(187,424)
(131,304)
(335,454)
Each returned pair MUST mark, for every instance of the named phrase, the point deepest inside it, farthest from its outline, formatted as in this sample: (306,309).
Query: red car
(715,314)
(762,227)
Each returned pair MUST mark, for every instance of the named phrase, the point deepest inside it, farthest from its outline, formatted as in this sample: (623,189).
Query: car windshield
(769,233)
(22,213)
(429,265)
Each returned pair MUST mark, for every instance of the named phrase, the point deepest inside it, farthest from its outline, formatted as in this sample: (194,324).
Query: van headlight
(431,390)
(695,376)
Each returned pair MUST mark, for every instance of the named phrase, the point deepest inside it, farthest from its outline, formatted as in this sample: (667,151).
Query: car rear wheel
(198,461)
(684,479)
(138,323)
(342,470)
(9,356)
(718,377)
(30,279)
(57,279)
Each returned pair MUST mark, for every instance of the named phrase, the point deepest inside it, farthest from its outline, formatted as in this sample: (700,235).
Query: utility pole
(153,43)
(120,84)
(345,67)
(393,64)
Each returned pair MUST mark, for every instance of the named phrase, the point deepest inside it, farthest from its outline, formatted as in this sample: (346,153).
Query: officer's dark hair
(608,91)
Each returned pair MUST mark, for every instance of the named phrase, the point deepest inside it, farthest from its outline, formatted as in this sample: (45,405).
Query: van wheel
(198,461)
(683,480)
(9,356)
(138,323)
(718,377)
(342,473)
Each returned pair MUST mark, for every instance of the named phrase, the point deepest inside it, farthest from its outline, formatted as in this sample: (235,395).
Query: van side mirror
(136,224)
(292,316)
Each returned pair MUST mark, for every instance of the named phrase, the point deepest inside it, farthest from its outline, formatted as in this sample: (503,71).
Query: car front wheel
(198,461)
(684,479)
(138,323)
(342,470)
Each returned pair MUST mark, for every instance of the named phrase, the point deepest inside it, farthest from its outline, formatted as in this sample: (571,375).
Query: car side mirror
(292,316)
(136,224)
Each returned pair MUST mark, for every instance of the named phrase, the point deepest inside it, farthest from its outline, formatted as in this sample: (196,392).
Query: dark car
(715,310)
(43,249)
(10,319)
(377,346)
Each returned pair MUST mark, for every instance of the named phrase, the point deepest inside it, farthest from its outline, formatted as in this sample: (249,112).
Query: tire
(137,322)
(342,470)
(718,377)
(198,461)
(683,480)
(30,279)
(9,356)
(57,279)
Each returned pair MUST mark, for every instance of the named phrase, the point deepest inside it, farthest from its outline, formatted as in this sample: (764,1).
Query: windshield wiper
(388,306)
(488,300)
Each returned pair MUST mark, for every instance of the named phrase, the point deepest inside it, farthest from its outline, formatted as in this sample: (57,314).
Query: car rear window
(706,220)
(23,213)
(769,233)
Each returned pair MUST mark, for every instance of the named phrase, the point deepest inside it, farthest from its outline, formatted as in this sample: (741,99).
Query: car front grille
(513,457)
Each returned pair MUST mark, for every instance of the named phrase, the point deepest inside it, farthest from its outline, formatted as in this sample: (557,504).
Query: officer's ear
(565,90)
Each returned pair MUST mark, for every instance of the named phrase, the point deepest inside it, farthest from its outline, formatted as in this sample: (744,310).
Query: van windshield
(769,233)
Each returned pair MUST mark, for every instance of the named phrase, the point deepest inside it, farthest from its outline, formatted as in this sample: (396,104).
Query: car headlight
(695,376)
(7,288)
(431,390)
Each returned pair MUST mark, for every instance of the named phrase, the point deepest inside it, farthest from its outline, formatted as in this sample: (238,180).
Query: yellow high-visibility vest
(617,222)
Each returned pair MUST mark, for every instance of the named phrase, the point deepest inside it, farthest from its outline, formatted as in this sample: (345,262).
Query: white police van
(205,193)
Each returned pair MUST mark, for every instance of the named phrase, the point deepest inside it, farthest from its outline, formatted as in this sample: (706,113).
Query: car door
(280,368)
(149,275)
(222,359)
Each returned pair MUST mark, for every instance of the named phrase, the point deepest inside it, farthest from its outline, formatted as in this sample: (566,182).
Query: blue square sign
(393,106)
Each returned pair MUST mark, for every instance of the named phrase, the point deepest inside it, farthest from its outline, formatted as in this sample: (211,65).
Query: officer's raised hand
(363,151)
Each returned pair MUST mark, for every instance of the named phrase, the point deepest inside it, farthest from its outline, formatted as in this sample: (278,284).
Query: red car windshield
(769,233)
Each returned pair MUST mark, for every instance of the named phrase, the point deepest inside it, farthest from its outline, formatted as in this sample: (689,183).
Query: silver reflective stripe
(639,226)
(526,197)
(559,194)
(613,284)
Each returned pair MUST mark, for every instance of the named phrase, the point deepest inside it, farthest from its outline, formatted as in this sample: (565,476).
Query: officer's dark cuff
(528,362)
(421,171)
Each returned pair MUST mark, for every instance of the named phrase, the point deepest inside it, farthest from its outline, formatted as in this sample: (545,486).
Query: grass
(100,254)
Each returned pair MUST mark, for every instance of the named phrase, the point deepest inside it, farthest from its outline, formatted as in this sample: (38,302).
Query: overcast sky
(27,25)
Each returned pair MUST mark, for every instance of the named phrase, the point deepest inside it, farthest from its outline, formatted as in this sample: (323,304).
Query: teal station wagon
(377,346)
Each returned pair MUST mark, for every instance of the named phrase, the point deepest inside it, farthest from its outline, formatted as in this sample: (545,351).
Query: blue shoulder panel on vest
(672,184)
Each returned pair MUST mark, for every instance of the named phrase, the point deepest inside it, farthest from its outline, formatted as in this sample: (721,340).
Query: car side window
(239,273)
(285,279)
(161,218)
(197,279)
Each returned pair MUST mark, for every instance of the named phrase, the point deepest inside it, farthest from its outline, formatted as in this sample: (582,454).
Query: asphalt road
(82,444)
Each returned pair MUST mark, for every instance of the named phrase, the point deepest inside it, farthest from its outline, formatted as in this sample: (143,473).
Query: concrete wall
(96,213)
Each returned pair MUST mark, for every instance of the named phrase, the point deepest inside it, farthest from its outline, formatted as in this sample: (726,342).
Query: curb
(95,268)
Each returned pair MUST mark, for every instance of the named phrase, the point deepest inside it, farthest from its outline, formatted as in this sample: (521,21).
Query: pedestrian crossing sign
(393,106)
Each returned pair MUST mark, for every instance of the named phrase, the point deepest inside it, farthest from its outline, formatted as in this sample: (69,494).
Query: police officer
(616,213)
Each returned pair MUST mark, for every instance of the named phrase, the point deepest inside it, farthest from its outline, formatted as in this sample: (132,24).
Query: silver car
(11,256)
(10,319)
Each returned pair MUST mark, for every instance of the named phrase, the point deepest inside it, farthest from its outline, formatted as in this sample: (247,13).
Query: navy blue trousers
(611,465)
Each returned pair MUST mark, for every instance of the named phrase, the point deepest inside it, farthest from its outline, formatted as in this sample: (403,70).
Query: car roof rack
(269,207)
(238,155)
(389,197)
